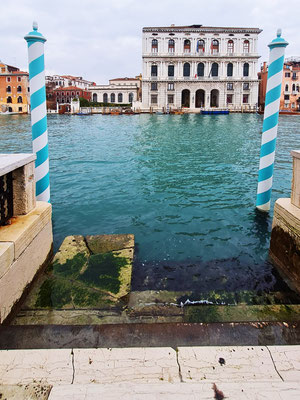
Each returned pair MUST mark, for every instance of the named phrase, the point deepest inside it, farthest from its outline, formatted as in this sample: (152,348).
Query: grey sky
(99,40)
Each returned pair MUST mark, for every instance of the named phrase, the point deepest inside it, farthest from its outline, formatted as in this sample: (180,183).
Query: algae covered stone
(88,277)
(106,243)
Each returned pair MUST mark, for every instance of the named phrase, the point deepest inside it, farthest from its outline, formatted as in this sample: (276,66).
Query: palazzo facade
(197,67)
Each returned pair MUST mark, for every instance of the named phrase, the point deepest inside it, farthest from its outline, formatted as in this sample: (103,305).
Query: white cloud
(99,40)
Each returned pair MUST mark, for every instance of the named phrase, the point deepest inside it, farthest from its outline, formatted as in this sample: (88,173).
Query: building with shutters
(14,90)
(197,67)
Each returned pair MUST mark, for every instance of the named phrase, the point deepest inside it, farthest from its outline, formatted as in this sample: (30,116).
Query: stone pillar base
(285,241)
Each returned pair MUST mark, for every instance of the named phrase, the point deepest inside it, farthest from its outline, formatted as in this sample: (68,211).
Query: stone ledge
(6,256)
(25,228)
(22,271)
(10,162)
(242,365)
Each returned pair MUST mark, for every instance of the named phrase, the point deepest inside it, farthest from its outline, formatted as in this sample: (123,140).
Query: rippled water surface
(185,185)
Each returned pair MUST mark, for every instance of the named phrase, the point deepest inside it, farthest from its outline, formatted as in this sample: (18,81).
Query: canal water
(184,185)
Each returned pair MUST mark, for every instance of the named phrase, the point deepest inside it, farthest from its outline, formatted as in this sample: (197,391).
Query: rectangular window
(287,74)
(229,86)
(170,70)
(170,86)
(246,86)
(245,98)
(19,79)
(170,98)
(286,97)
(153,99)
(20,109)
(153,70)
(154,86)
(229,99)
(8,79)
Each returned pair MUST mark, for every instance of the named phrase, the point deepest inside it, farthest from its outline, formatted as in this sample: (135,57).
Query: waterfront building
(290,92)
(65,82)
(198,67)
(63,96)
(119,91)
(57,81)
(14,90)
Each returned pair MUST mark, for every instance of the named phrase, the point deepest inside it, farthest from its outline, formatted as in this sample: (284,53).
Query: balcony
(294,77)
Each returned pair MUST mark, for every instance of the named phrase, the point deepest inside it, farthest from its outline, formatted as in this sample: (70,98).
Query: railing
(6,198)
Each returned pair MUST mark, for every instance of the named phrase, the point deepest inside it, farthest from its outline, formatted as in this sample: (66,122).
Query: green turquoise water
(185,185)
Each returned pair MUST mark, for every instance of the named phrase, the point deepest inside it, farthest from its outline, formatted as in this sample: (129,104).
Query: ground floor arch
(200,98)
(214,98)
(185,98)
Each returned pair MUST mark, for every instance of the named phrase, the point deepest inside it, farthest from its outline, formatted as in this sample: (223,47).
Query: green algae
(72,267)
(54,294)
(67,286)
(103,271)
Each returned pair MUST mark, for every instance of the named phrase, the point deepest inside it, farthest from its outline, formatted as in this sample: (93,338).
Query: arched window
(154,46)
(186,69)
(130,97)
(297,88)
(105,98)
(120,98)
(9,100)
(171,46)
(170,70)
(200,69)
(8,89)
(230,46)
(19,89)
(229,69)
(294,87)
(215,46)
(246,69)
(112,98)
(200,46)
(286,88)
(95,99)
(187,46)
(246,46)
(153,70)
(214,69)
(20,100)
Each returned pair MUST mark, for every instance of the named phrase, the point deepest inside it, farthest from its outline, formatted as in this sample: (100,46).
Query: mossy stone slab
(106,243)
(70,247)
(79,278)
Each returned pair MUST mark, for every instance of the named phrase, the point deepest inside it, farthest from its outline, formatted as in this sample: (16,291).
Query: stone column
(295,195)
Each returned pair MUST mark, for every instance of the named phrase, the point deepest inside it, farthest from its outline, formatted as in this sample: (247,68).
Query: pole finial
(35,26)
(279,31)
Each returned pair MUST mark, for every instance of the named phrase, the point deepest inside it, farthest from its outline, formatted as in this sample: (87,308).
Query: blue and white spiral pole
(35,41)
(270,124)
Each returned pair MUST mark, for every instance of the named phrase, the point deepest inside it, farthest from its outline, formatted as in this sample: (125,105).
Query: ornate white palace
(199,67)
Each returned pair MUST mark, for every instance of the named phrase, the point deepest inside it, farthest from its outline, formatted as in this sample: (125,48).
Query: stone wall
(285,237)
(26,241)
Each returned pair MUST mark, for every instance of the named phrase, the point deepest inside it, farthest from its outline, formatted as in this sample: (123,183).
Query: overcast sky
(100,40)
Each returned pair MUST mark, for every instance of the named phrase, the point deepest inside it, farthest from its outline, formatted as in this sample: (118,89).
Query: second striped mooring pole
(35,41)
(270,124)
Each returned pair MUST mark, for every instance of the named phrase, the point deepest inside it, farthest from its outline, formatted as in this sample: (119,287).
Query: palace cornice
(203,29)
(194,81)
(197,58)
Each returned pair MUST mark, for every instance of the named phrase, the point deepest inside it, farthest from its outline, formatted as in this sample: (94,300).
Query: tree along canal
(184,185)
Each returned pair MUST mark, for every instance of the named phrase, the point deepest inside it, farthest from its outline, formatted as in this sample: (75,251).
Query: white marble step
(179,391)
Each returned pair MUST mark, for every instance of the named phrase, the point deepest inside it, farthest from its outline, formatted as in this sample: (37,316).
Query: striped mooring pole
(270,124)
(35,41)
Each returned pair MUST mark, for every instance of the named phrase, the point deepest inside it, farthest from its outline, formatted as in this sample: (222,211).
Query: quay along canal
(183,185)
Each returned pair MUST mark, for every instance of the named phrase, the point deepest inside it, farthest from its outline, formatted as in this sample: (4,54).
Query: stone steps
(179,391)
(216,372)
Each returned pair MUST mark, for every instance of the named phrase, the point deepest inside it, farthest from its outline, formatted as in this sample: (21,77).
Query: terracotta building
(14,90)
(290,92)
